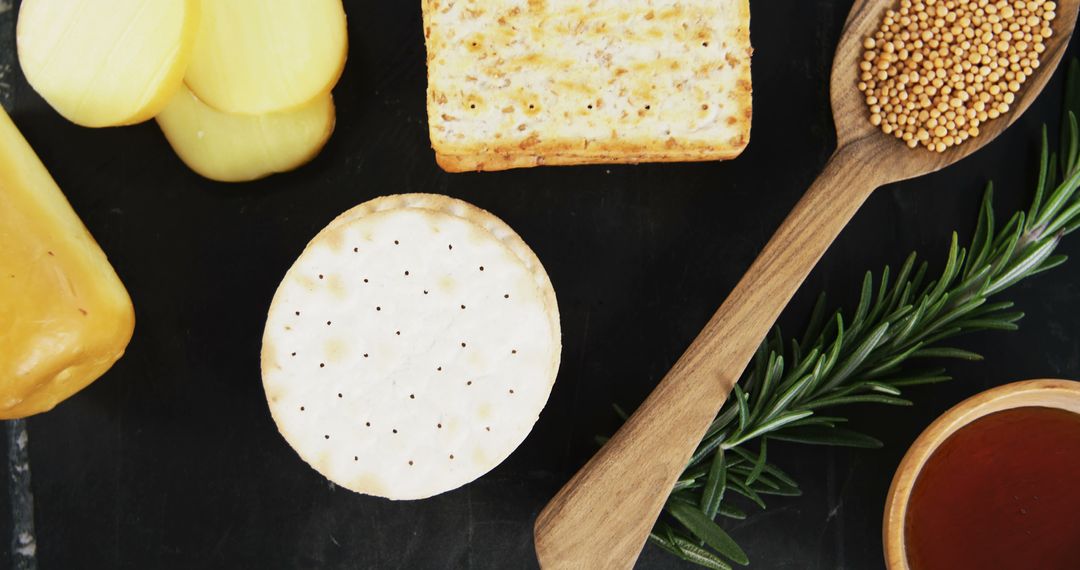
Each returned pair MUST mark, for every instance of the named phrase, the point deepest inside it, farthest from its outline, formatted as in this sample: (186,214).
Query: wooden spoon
(602,517)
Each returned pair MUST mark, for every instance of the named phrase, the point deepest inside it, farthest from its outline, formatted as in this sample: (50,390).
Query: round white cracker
(411,346)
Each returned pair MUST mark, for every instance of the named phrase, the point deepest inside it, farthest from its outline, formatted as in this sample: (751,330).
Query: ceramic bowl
(1061,394)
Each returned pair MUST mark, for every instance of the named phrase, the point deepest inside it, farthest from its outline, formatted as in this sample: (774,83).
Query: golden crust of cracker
(494,162)
(520,83)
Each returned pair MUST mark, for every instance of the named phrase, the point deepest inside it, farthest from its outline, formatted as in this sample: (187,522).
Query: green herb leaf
(732,512)
(704,528)
(715,486)
(770,425)
(759,464)
(698,555)
(817,435)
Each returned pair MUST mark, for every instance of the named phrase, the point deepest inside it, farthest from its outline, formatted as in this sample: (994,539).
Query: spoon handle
(602,517)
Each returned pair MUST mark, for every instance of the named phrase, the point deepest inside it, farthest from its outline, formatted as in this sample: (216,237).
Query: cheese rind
(65,317)
(515,83)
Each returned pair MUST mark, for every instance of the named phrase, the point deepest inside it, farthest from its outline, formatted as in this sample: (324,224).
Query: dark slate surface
(172,461)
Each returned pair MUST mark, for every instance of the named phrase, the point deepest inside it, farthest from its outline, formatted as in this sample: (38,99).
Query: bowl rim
(1047,393)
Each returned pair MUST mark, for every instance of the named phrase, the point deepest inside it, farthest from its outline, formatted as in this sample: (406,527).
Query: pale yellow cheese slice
(104,63)
(264,56)
(231,147)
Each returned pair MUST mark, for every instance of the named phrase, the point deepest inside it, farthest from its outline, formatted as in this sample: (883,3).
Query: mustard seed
(936,70)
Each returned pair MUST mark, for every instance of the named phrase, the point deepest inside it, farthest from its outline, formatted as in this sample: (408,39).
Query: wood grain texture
(602,517)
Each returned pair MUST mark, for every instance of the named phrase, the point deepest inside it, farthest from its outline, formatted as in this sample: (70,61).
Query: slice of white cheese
(411,347)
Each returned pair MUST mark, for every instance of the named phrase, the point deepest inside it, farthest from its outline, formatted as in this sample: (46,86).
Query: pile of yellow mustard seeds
(938,69)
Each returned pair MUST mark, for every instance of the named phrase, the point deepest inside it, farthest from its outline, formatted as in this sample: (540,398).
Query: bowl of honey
(992,483)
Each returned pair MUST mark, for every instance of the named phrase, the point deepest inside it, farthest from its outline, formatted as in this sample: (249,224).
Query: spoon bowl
(891,154)
(602,517)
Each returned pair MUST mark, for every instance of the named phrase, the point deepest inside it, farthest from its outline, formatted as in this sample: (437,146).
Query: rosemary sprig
(792,387)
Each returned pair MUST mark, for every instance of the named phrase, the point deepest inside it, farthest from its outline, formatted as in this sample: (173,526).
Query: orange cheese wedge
(65,317)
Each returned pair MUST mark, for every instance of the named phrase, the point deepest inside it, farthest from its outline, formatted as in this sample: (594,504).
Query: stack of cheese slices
(241,88)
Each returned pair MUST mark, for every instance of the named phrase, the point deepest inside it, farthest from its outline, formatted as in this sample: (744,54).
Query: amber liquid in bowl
(1001,492)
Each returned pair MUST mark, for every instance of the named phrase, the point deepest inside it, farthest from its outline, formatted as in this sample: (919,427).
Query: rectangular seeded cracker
(520,83)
